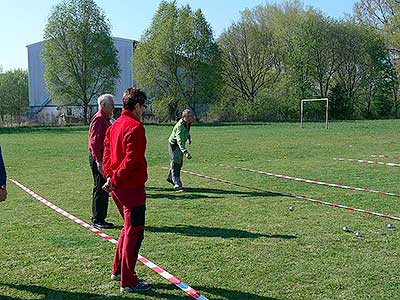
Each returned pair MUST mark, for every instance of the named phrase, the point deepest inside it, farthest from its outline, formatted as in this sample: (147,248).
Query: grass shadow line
(194,191)
(51,294)
(226,233)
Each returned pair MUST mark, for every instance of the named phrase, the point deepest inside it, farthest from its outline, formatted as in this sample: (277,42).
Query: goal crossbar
(312,100)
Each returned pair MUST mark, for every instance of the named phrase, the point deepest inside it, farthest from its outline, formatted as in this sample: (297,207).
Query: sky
(23,21)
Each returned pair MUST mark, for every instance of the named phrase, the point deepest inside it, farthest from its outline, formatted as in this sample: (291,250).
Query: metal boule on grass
(390,226)
(358,234)
(292,208)
(346,229)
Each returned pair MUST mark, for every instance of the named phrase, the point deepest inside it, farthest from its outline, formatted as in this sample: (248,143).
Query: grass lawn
(225,241)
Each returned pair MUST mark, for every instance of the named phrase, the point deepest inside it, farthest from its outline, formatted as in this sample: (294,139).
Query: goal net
(303,101)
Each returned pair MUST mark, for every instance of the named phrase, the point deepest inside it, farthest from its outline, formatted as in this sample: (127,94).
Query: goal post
(313,100)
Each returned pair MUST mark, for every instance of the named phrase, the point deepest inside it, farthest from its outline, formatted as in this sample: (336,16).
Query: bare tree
(250,58)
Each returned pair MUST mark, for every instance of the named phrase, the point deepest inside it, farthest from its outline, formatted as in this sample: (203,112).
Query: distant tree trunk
(173,111)
(396,104)
(85,115)
(369,102)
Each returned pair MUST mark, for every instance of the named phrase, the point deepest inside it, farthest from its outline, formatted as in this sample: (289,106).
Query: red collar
(130,114)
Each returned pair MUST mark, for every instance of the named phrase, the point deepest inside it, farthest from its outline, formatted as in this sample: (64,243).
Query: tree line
(273,56)
(259,68)
(14,95)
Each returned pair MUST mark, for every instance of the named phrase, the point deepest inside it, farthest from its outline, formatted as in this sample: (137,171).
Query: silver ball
(390,226)
(291,208)
(345,228)
(358,234)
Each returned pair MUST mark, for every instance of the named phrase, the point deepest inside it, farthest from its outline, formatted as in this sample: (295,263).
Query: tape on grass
(174,280)
(316,182)
(365,211)
(368,162)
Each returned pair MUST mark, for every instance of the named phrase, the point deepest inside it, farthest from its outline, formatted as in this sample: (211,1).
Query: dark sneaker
(116,277)
(141,286)
(103,225)
(170,181)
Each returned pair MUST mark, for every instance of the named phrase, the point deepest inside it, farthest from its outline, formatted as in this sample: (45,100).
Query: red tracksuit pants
(132,233)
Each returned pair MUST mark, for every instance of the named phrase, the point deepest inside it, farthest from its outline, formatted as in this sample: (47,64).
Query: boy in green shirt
(177,148)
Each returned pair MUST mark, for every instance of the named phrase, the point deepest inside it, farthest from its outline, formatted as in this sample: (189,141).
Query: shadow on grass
(198,193)
(179,196)
(226,233)
(52,294)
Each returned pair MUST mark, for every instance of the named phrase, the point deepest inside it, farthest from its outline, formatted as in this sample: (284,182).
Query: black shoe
(103,225)
(170,181)
(141,286)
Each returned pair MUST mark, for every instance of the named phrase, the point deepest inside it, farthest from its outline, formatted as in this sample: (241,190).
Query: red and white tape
(221,180)
(379,155)
(369,212)
(368,162)
(316,182)
(177,282)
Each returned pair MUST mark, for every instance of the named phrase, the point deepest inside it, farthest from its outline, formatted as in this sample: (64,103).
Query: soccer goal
(313,100)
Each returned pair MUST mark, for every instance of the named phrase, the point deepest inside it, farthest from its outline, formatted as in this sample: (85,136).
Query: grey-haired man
(97,132)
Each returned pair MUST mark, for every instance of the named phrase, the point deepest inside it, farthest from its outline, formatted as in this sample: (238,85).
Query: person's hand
(188,156)
(3,193)
(100,167)
(108,187)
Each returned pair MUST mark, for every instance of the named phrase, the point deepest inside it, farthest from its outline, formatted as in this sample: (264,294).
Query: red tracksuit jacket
(124,152)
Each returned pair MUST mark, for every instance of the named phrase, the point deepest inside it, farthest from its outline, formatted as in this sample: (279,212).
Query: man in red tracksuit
(125,169)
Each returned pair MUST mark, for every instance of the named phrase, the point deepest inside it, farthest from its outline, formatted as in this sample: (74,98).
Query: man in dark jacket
(97,132)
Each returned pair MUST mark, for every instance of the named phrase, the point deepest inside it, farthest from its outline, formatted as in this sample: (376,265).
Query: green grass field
(227,242)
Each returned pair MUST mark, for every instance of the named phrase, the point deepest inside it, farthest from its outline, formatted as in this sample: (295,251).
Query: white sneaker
(178,188)
(116,277)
